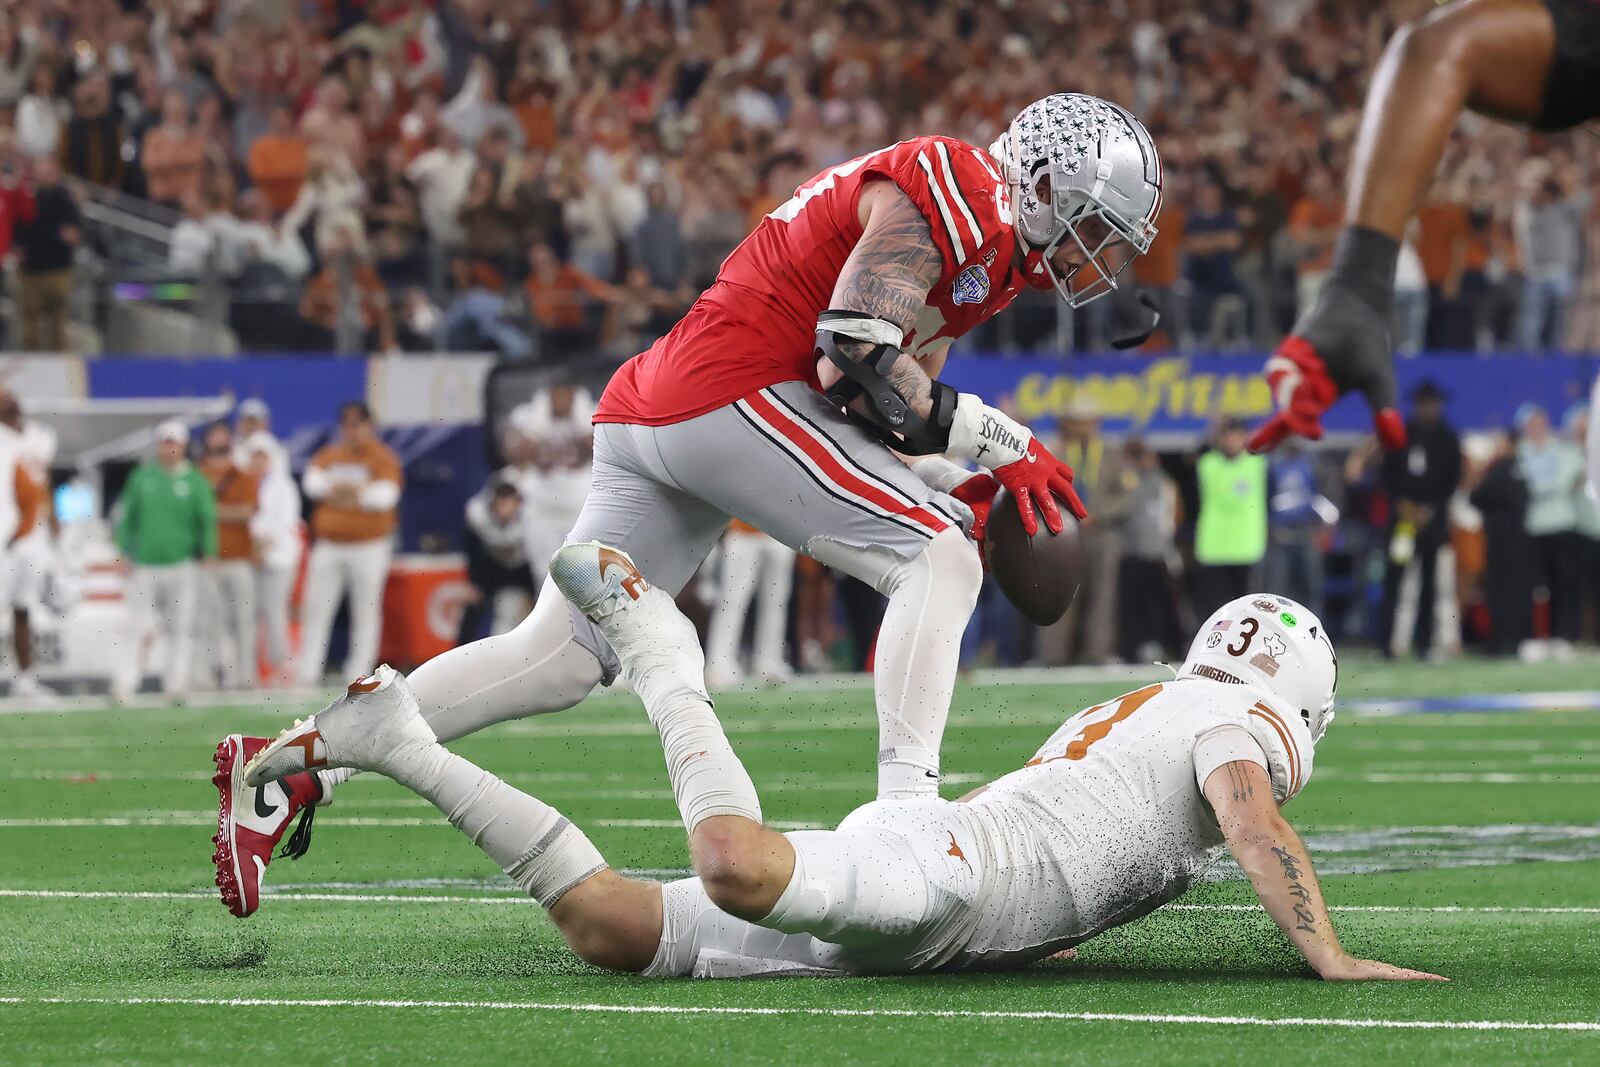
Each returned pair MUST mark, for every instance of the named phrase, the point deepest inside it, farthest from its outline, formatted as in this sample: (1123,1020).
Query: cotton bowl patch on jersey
(971,286)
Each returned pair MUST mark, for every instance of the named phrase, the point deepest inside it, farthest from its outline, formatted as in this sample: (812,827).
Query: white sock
(531,841)
(700,939)
(919,648)
(662,660)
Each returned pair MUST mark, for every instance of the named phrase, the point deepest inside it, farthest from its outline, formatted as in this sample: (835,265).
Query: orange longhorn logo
(955,850)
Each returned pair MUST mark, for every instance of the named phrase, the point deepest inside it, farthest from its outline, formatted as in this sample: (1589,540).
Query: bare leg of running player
(1492,56)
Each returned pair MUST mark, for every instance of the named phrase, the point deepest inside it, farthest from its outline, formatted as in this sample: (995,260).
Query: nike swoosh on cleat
(265,811)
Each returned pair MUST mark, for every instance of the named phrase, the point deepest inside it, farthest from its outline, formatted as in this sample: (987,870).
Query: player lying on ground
(848,295)
(1532,62)
(1119,812)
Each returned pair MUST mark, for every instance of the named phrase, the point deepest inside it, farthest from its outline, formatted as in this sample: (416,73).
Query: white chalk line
(1580,1026)
(509,898)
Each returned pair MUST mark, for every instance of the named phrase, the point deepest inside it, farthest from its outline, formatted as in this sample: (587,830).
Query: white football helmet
(1081,168)
(1270,641)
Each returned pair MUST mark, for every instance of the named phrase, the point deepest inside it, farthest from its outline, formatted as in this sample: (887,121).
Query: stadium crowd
(561,178)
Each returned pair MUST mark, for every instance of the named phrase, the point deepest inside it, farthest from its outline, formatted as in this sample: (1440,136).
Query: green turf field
(1467,844)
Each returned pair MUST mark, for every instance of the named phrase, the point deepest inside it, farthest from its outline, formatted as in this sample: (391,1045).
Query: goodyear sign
(1171,395)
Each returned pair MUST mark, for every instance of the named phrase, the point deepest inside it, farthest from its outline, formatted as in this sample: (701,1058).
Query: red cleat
(250,822)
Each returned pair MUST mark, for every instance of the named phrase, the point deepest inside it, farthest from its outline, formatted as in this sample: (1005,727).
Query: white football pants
(335,569)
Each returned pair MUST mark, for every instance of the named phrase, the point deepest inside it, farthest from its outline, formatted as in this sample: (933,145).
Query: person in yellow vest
(356,483)
(1230,534)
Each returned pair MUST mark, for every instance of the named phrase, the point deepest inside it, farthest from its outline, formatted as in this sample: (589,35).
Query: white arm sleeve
(940,474)
(379,496)
(1225,744)
(316,482)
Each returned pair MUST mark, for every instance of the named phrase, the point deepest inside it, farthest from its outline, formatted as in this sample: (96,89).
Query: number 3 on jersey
(1099,721)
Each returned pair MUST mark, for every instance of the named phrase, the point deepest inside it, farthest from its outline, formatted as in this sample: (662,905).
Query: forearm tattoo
(1304,919)
(892,267)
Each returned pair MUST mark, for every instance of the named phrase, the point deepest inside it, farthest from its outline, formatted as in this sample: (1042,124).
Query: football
(1041,574)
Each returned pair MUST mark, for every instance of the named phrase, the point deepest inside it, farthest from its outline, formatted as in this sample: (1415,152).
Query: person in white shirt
(276,531)
(1119,812)
(759,568)
(554,485)
(28,448)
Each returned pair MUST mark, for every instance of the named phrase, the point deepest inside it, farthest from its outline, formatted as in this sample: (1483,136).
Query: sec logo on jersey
(971,286)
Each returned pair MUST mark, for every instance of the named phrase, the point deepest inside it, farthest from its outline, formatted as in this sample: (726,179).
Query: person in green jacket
(1230,534)
(168,522)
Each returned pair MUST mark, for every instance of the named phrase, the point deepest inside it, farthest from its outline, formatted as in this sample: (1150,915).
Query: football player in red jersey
(1533,62)
(781,399)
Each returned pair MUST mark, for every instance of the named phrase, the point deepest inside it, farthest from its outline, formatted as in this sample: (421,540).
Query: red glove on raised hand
(1341,345)
(1035,481)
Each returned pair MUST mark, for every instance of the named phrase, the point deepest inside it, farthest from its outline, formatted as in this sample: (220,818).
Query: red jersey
(756,326)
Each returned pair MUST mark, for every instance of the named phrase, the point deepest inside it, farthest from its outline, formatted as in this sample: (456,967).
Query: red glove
(1302,391)
(978,493)
(1036,480)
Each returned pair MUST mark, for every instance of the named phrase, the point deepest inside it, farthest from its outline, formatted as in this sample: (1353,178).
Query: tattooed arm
(888,275)
(1279,867)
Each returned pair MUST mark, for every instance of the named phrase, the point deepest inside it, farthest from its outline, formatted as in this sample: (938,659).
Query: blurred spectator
(252,431)
(39,115)
(1088,631)
(1499,493)
(554,478)
(752,563)
(329,126)
(27,513)
(1419,591)
(278,159)
(442,175)
(1575,427)
(1298,517)
(658,242)
(173,154)
(47,235)
(562,300)
(1410,298)
(265,243)
(1160,270)
(347,302)
(275,539)
(1554,472)
(1442,235)
(497,561)
(1147,609)
(1212,244)
(356,482)
(91,146)
(168,521)
(228,589)
(1313,224)
(1230,536)
(19,53)
(477,108)
(478,318)
(1548,221)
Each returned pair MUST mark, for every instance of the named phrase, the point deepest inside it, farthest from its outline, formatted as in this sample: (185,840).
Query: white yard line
(512,898)
(1582,1026)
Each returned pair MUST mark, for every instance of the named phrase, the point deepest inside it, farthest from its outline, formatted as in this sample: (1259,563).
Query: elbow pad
(889,418)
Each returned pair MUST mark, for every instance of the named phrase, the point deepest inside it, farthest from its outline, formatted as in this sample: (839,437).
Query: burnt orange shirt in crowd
(371,462)
(278,169)
(1442,228)
(234,488)
(558,302)
(1159,267)
(1311,215)
(173,165)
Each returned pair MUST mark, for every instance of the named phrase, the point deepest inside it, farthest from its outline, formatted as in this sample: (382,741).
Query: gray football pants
(783,460)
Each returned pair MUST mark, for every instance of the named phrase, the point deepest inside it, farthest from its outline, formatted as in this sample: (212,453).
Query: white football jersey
(1107,822)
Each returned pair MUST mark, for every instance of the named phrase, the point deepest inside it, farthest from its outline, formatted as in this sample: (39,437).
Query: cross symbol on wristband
(981,450)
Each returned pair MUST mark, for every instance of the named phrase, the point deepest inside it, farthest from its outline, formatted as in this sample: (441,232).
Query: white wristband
(986,435)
